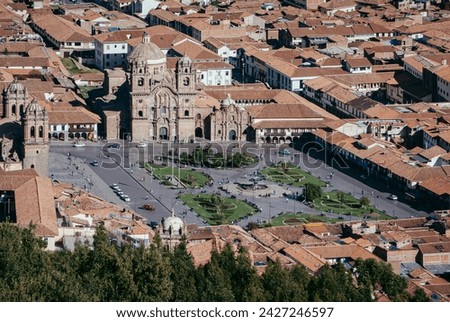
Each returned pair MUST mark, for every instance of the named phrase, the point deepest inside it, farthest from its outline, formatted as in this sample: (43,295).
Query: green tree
(278,285)
(184,158)
(364,202)
(24,265)
(340,196)
(247,285)
(379,275)
(213,283)
(312,191)
(419,296)
(152,272)
(183,275)
(336,285)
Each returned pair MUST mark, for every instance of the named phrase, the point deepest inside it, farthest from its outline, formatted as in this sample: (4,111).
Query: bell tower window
(41,131)
(186,113)
(140,114)
(32,132)
(140,82)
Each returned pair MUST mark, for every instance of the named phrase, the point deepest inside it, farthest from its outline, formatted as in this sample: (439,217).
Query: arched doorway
(198,132)
(163,133)
(232,135)
(61,136)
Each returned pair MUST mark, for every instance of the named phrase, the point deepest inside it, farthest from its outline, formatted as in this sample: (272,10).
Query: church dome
(34,107)
(16,87)
(173,224)
(147,53)
(228,101)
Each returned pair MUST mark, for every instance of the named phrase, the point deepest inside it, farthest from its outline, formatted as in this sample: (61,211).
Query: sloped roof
(33,200)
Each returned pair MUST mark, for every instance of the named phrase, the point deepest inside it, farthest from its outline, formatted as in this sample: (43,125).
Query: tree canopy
(107,272)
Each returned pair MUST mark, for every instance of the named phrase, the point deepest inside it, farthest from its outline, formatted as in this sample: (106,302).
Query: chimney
(444,62)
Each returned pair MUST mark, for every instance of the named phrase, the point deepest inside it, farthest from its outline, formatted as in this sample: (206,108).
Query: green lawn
(297,219)
(190,178)
(349,206)
(290,174)
(205,207)
(73,69)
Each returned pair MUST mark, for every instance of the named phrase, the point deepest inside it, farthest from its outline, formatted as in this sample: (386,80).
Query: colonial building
(162,100)
(169,103)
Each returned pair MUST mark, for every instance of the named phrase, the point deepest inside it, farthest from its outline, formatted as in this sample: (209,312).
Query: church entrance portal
(232,135)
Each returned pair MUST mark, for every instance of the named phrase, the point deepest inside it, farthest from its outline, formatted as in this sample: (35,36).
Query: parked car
(142,145)
(114,145)
(285,152)
(148,207)
(94,163)
(392,197)
(114,186)
(125,198)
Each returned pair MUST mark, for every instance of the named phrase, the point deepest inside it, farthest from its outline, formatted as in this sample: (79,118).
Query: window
(140,114)
(32,132)
(186,113)
(140,82)
(123,46)
(41,131)
(163,109)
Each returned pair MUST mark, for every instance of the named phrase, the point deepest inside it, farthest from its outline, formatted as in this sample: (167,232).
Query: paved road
(122,168)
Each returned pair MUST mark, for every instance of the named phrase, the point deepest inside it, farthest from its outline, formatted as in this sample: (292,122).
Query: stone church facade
(162,102)
(32,152)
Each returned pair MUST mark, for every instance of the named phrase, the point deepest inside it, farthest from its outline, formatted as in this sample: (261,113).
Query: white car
(392,197)
(142,145)
(114,186)
(125,198)
(79,145)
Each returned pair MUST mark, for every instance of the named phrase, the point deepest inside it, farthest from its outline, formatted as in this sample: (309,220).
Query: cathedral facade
(162,101)
(32,152)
